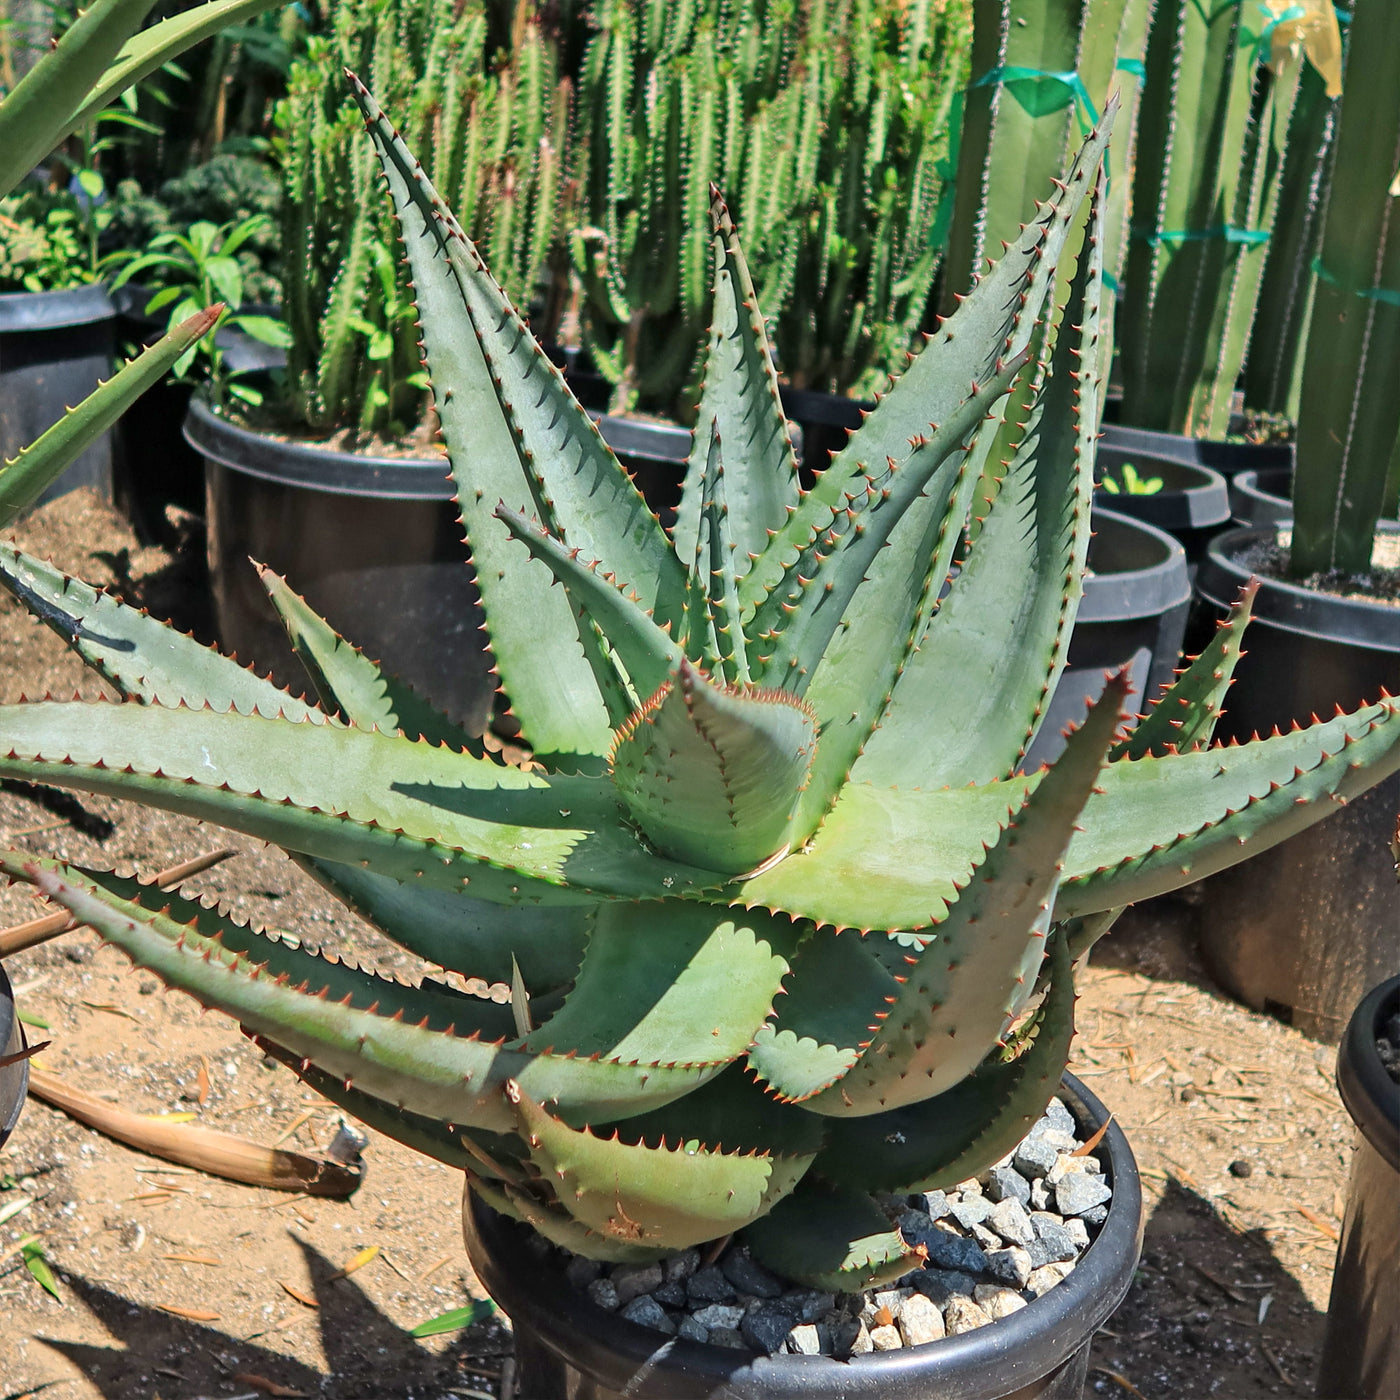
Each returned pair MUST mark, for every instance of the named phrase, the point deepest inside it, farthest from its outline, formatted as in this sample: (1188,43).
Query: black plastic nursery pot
(1192,505)
(372,543)
(55,347)
(825,420)
(1361,1348)
(568,1348)
(14,1077)
(1222,456)
(1262,498)
(1133,613)
(655,455)
(1305,928)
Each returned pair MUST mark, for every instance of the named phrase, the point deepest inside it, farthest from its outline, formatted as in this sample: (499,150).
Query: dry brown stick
(188,1145)
(47,926)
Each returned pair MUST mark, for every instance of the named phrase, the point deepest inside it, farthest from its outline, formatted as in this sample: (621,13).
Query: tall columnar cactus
(1349,417)
(1273,368)
(1041,72)
(825,123)
(1211,130)
(785,924)
(494,130)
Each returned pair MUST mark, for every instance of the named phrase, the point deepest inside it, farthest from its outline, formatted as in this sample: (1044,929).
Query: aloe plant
(1349,415)
(783,920)
(1213,119)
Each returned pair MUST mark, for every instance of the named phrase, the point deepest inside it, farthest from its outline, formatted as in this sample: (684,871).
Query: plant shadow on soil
(371,1358)
(1193,1329)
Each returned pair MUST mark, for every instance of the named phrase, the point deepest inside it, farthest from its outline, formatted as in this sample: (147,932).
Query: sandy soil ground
(178,1285)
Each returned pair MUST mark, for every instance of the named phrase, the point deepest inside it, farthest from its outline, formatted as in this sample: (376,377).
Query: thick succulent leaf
(712,774)
(888,858)
(646,652)
(24,477)
(1184,716)
(144,659)
(792,627)
(672,1195)
(826,1015)
(674,982)
(466,935)
(497,1155)
(350,684)
(156,46)
(516,436)
(833,1238)
(943,1140)
(1003,630)
(1163,822)
(994,323)
(412,811)
(740,403)
(450,1072)
(962,992)
(714,627)
(558,1226)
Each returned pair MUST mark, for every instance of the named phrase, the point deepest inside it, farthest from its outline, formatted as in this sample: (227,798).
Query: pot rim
(1122,594)
(12,1040)
(24,312)
(1321,616)
(995,1360)
(1217,453)
(1368,1092)
(1193,496)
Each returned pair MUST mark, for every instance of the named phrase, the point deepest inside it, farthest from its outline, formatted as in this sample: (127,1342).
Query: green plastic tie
(1135,66)
(1073,84)
(1386,295)
(1229,233)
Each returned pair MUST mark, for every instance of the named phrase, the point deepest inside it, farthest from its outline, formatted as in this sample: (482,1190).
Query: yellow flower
(1307,26)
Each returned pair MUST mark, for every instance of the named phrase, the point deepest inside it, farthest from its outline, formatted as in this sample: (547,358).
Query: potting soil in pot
(994,1244)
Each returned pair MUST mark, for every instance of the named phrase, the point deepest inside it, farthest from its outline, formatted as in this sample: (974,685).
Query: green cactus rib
(831,1237)
(461,933)
(352,686)
(676,1195)
(929,1145)
(713,770)
(144,659)
(24,477)
(739,402)
(505,409)
(995,324)
(558,1226)
(960,994)
(887,859)
(1184,716)
(454,1075)
(1004,628)
(412,811)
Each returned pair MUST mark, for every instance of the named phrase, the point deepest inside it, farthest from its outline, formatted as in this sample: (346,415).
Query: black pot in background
(1303,929)
(1133,614)
(1361,1349)
(1262,498)
(373,544)
(55,347)
(1192,506)
(156,466)
(826,421)
(655,455)
(567,1346)
(1227,458)
(14,1078)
